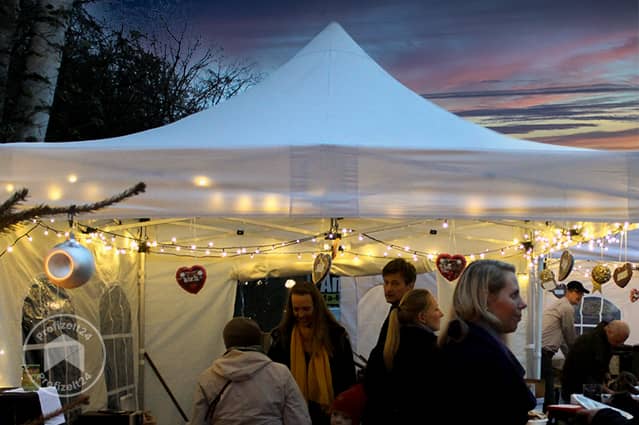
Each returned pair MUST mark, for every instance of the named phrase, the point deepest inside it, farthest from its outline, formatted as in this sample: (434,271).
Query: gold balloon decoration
(600,275)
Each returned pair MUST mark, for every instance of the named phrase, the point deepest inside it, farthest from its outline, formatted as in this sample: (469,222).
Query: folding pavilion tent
(329,134)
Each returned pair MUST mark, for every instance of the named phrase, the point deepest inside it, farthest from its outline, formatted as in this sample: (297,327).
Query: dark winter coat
(587,362)
(485,377)
(405,394)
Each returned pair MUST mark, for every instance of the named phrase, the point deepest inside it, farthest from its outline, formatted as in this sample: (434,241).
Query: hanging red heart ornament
(634,295)
(191,279)
(450,266)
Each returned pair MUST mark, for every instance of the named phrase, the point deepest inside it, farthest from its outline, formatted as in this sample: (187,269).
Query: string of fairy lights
(533,245)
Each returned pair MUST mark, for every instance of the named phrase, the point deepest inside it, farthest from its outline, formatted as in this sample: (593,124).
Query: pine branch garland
(17,197)
(9,218)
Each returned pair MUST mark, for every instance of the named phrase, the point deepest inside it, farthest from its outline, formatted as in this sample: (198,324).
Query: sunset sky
(560,71)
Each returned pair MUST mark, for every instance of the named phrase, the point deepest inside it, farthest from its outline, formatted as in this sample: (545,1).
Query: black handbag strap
(213,404)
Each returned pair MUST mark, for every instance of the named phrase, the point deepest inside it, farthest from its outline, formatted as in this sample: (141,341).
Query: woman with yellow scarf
(316,349)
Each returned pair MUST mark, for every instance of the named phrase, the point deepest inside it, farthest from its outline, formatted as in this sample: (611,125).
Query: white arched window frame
(592,310)
(115,328)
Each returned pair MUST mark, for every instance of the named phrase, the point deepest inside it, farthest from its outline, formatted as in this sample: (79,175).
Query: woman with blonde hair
(315,347)
(410,360)
(487,305)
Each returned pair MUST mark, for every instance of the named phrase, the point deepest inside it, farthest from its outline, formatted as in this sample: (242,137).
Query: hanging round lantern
(69,264)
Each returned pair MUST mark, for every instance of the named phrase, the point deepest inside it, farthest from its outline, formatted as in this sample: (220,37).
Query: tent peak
(332,38)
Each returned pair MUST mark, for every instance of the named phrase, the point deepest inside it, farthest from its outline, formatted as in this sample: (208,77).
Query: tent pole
(539,311)
(141,322)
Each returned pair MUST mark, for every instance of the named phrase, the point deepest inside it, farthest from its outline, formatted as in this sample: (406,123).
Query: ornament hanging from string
(623,273)
(69,264)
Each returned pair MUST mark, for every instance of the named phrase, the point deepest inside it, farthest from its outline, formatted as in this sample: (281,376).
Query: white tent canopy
(330,134)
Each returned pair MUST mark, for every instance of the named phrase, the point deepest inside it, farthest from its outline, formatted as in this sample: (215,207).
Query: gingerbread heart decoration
(634,295)
(321,266)
(450,266)
(191,279)
(566,263)
(622,275)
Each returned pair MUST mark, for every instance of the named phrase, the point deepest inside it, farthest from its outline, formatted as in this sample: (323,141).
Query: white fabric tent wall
(183,331)
(17,272)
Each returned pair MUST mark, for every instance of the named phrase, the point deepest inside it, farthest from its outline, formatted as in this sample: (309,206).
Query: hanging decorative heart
(191,279)
(450,266)
(321,267)
(566,263)
(622,275)
(634,295)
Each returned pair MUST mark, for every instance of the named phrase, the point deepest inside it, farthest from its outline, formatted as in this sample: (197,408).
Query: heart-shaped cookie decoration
(450,266)
(622,275)
(191,279)
(321,267)
(565,265)
(634,295)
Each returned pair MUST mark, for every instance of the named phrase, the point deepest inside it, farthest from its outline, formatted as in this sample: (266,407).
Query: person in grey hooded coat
(252,389)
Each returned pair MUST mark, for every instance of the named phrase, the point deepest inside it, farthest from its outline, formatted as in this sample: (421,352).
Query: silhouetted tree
(112,82)
(32,32)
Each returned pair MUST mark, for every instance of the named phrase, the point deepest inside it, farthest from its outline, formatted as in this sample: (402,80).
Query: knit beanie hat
(351,402)
(242,332)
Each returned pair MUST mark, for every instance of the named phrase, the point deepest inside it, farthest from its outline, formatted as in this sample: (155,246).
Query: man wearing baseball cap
(558,333)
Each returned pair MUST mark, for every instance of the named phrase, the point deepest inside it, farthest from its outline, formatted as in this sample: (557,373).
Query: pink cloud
(624,140)
(550,61)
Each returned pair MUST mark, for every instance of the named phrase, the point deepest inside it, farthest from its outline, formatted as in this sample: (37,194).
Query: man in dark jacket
(588,360)
(399,278)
